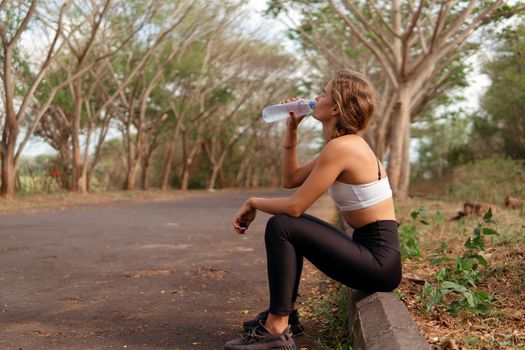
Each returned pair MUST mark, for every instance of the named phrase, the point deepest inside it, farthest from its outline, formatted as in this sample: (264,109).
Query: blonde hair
(355,98)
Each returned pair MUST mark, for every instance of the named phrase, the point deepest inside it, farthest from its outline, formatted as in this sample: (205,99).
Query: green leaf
(455,307)
(442,274)
(470,299)
(453,287)
(488,231)
(488,215)
(481,259)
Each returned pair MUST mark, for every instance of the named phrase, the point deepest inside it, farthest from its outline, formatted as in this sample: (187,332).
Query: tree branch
(4,4)
(377,14)
(406,38)
(24,23)
(414,20)
(94,31)
(45,65)
(381,40)
(461,18)
(375,50)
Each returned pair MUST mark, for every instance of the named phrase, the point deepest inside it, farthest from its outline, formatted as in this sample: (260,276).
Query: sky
(272,29)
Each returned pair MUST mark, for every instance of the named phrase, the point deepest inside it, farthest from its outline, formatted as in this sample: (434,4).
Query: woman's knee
(278,224)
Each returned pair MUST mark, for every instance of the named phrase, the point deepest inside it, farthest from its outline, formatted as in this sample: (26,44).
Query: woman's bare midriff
(381,211)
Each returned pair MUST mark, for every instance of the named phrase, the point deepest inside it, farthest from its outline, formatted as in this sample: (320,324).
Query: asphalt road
(168,275)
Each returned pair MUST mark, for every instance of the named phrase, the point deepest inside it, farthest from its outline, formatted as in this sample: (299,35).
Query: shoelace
(252,336)
(262,316)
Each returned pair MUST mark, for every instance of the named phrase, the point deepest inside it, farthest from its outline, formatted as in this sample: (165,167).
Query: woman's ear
(335,111)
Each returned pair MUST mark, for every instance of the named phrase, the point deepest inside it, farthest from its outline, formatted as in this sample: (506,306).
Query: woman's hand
(293,121)
(244,217)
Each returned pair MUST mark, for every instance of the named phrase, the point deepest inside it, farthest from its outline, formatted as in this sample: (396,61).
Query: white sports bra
(350,197)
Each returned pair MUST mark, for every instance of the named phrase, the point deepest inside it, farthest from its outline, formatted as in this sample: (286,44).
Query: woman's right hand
(293,121)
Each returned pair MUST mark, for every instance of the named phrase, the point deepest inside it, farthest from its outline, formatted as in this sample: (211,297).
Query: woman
(348,169)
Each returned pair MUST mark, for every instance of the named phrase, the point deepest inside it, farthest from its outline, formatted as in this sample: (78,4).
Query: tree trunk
(10,133)
(146,165)
(213,177)
(169,156)
(187,166)
(79,179)
(167,165)
(405,170)
(65,171)
(400,122)
(132,176)
(8,174)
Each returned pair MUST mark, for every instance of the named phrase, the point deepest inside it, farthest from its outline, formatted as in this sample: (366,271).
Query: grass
(328,307)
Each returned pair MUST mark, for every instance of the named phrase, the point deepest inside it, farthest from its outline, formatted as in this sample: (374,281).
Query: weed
(409,234)
(461,279)
(332,311)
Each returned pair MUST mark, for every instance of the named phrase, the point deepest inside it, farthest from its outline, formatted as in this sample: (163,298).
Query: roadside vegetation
(463,277)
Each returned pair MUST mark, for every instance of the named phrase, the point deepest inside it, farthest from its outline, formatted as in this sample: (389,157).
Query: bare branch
(24,23)
(421,39)
(437,28)
(406,38)
(3,36)
(476,23)
(43,110)
(381,40)
(45,65)
(461,18)
(414,20)
(94,31)
(128,38)
(3,4)
(377,14)
(385,62)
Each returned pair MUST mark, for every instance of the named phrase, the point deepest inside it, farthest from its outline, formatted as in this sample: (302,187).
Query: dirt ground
(155,272)
(503,326)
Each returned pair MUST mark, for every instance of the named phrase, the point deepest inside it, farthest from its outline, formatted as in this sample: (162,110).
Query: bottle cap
(312,104)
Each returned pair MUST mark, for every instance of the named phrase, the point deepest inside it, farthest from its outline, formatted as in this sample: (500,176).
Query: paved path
(169,275)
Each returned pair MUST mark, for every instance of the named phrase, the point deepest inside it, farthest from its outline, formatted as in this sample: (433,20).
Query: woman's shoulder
(347,144)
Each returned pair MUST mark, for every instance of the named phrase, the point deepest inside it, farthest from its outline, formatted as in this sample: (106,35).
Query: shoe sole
(299,332)
(289,347)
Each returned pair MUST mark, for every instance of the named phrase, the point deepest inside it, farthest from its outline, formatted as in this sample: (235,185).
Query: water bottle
(282,111)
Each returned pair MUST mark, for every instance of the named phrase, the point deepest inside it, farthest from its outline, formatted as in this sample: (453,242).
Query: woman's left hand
(244,217)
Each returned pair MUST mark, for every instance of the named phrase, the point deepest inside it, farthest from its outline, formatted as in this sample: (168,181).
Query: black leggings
(369,260)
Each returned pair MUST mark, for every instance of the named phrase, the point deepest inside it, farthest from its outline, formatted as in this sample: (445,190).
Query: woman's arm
(324,173)
(293,175)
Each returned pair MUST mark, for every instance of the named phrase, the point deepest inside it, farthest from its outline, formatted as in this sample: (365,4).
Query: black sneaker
(293,320)
(258,338)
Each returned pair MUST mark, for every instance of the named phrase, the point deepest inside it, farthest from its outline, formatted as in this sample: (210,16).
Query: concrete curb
(379,321)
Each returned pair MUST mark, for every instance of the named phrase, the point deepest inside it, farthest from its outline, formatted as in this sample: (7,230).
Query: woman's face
(325,108)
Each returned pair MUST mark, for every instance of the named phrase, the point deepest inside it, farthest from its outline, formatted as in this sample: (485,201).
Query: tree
(19,81)
(139,124)
(413,43)
(109,34)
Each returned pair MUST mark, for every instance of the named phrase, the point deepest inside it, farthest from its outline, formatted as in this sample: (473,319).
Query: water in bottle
(282,111)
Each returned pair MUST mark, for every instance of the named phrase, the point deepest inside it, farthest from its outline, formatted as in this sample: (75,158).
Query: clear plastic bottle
(282,111)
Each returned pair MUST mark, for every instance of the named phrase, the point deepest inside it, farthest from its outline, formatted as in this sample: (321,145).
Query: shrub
(489,180)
